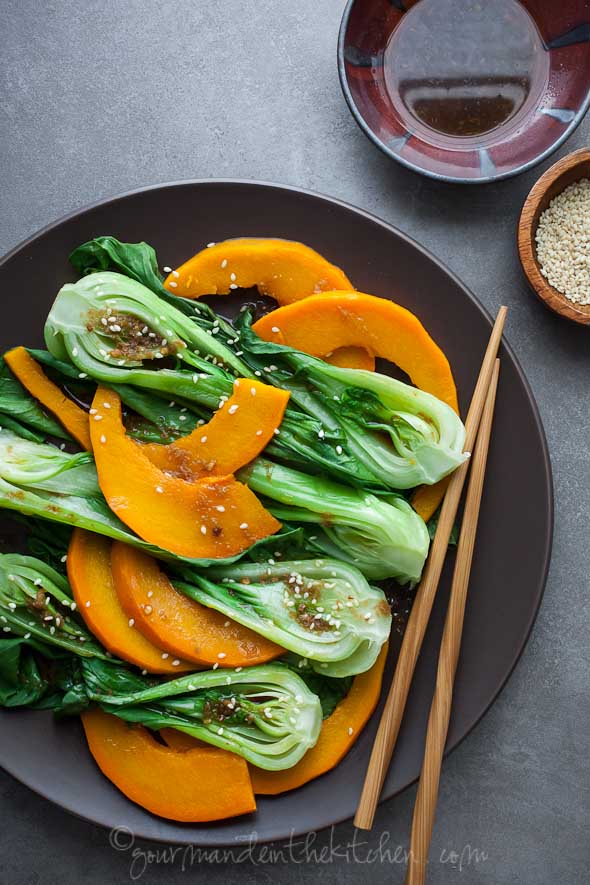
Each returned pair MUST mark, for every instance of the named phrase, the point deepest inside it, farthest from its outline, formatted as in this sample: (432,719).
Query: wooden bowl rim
(555,300)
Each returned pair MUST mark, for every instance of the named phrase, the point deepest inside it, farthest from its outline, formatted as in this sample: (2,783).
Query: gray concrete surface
(98,98)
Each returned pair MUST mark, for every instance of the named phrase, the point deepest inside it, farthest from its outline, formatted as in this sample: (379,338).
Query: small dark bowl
(555,100)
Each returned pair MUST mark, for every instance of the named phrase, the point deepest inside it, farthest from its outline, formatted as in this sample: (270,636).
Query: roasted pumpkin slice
(282,269)
(199,785)
(389,331)
(89,573)
(212,518)
(33,378)
(178,624)
(339,732)
(236,434)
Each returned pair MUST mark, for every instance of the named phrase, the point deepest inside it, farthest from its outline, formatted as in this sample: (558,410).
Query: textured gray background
(101,97)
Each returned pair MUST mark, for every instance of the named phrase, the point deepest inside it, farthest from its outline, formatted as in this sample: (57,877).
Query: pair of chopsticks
(478,427)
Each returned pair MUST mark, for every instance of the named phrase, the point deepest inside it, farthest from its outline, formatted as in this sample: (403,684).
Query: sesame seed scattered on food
(203,529)
(165,655)
(220,508)
(176,663)
(103,439)
(275,329)
(87,603)
(243,525)
(224,263)
(215,666)
(175,274)
(147,609)
(221,655)
(233,409)
(173,284)
(233,285)
(98,417)
(209,245)
(131,622)
(159,490)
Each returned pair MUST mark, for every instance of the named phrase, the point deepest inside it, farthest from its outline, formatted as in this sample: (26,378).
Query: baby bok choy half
(321,609)
(266,714)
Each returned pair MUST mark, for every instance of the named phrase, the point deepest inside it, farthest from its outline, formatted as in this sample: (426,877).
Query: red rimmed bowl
(466,91)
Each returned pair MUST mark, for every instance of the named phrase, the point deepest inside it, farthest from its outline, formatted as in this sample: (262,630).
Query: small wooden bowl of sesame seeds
(554,237)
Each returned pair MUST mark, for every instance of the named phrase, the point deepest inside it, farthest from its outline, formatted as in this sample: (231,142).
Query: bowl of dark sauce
(466,90)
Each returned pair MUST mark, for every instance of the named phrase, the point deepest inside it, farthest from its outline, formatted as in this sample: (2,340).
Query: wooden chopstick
(440,710)
(395,704)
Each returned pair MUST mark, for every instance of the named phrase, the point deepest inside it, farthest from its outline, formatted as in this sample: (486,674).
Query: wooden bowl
(563,173)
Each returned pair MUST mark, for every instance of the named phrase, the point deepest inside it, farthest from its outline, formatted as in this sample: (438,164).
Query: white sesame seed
(233,285)
(150,593)
(338,450)
(215,666)
(176,662)
(350,729)
(275,329)
(159,490)
(82,375)
(233,409)
(244,525)
(220,508)
(93,411)
(175,274)
(227,623)
(203,529)
(165,655)
(232,277)
(167,269)
(220,730)
(87,603)
(147,609)
(203,439)
(173,284)
(98,417)
(103,439)
(259,433)
(209,245)
(238,669)
(74,351)
(221,655)
(131,622)
(224,263)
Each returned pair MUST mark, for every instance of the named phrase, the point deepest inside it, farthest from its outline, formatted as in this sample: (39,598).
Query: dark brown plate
(514,539)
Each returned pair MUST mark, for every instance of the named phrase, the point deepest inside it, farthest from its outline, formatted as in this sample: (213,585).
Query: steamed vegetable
(39,480)
(265,713)
(425,435)
(180,625)
(323,610)
(213,517)
(203,784)
(382,538)
(91,579)
(283,269)
(237,433)
(399,426)
(388,330)
(33,378)
(340,731)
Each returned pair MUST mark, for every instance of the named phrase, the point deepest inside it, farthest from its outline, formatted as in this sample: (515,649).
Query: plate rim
(548,477)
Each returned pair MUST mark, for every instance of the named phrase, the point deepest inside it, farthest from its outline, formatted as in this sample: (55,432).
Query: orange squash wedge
(194,786)
(89,573)
(235,435)
(180,625)
(343,319)
(33,378)
(352,358)
(180,741)
(389,331)
(282,269)
(338,734)
(212,518)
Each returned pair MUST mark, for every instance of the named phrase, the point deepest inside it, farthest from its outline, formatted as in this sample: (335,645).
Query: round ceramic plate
(514,537)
